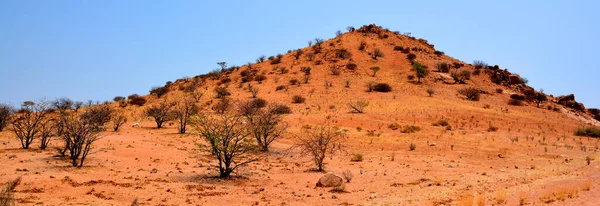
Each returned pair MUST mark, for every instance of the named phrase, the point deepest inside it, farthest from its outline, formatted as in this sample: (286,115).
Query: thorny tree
(185,109)
(79,135)
(5,114)
(47,131)
(320,140)
(161,113)
(265,125)
(227,139)
(27,124)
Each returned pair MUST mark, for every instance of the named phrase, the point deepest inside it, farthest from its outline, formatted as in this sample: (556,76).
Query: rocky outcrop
(569,101)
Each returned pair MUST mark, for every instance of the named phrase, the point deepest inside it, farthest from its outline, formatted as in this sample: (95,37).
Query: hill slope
(491,152)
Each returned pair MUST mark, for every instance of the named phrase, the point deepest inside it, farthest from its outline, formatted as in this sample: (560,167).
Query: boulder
(514,79)
(330,180)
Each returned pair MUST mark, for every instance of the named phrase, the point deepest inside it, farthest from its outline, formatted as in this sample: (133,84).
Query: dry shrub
(318,141)
(515,102)
(410,129)
(357,157)
(351,66)
(588,132)
(136,100)
(470,93)
(280,87)
(159,91)
(297,99)
(382,87)
(7,197)
(280,109)
(347,175)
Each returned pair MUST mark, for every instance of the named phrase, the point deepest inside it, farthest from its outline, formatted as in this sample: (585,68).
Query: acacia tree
(318,141)
(183,111)
(62,104)
(79,135)
(420,71)
(5,114)
(227,139)
(47,130)
(161,113)
(27,125)
(264,123)
(118,120)
(97,116)
(358,106)
(375,69)
(539,98)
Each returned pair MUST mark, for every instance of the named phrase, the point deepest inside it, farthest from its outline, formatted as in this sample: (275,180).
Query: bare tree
(118,120)
(197,95)
(183,111)
(318,141)
(27,125)
(79,135)
(77,105)
(265,125)
(5,115)
(161,113)
(227,139)
(358,106)
(47,130)
(97,116)
(223,105)
(62,104)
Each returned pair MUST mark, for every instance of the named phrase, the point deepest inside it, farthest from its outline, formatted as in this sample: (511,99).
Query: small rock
(432,144)
(154,171)
(500,155)
(372,196)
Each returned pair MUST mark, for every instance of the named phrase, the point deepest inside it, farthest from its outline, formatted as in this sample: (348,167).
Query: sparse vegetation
(470,93)
(228,141)
(358,106)
(431,92)
(588,132)
(375,69)
(297,99)
(411,57)
(410,129)
(420,70)
(221,92)
(5,115)
(461,76)
(515,102)
(382,87)
(27,125)
(357,157)
(78,134)
(161,113)
(7,194)
(159,91)
(118,120)
(347,175)
(441,122)
(318,141)
(377,53)
(265,125)
(184,109)
(136,100)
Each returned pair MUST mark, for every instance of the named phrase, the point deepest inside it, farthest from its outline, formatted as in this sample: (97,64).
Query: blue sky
(100,49)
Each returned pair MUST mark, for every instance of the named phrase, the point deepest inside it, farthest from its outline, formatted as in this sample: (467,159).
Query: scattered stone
(433,144)
(154,171)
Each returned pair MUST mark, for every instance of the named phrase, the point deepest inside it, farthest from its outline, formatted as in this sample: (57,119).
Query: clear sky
(100,49)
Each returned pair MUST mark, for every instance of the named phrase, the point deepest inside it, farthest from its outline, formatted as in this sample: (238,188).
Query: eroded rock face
(330,180)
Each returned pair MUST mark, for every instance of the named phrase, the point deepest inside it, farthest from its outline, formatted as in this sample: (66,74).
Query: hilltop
(462,134)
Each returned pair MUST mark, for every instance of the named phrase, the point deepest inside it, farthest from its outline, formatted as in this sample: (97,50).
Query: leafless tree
(223,105)
(185,109)
(5,115)
(265,125)
(62,104)
(358,106)
(47,130)
(97,116)
(118,120)
(77,105)
(79,135)
(161,113)
(227,139)
(197,95)
(318,141)
(27,124)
